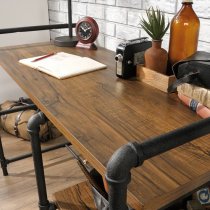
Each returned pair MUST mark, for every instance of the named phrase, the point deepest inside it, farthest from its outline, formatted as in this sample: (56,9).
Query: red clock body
(87,30)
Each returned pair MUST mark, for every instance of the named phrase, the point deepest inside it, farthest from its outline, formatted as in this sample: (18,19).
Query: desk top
(98,113)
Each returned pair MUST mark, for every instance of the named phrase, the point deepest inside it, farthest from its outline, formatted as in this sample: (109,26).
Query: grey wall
(17,13)
(119,19)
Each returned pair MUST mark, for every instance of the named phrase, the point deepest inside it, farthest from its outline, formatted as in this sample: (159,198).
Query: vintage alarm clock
(87,32)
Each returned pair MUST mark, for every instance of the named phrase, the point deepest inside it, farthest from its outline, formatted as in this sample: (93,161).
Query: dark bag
(100,195)
(193,70)
(95,179)
(16,123)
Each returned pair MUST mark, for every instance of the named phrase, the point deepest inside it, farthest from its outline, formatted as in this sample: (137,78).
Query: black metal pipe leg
(3,160)
(33,128)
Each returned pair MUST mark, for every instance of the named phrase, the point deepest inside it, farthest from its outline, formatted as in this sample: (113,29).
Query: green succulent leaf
(154,25)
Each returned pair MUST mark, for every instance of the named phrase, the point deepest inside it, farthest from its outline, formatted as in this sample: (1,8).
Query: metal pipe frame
(132,155)
(35,28)
(33,128)
(18,109)
(48,149)
(70,18)
(4,162)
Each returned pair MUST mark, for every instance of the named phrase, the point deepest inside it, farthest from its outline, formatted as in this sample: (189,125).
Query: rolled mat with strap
(16,123)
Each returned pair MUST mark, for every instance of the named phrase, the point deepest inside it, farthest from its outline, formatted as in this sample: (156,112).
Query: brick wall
(118,20)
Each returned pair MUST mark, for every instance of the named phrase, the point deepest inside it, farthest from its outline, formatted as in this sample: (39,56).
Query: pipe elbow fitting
(35,121)
(122,161)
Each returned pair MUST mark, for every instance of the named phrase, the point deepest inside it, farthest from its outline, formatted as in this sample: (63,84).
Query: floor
(18,190)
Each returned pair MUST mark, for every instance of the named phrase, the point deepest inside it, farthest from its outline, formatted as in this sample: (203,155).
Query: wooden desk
(98,113)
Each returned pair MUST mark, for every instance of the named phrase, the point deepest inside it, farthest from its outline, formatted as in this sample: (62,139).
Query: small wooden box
(155,79)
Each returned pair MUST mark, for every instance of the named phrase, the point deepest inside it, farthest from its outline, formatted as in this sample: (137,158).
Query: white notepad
(62,65)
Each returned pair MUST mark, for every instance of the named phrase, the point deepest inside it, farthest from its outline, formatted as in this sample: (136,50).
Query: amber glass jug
(184,32)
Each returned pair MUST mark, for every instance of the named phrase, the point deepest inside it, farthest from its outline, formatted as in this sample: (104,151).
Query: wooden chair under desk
(98,113)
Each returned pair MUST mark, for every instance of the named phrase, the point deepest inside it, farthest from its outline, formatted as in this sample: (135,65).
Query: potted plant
(156,58)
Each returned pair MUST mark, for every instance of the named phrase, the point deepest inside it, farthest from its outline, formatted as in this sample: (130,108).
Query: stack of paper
(62,65)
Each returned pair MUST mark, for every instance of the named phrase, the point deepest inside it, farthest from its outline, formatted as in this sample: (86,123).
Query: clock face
(87,30)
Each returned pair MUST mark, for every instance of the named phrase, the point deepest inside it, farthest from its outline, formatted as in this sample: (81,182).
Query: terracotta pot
(156,58)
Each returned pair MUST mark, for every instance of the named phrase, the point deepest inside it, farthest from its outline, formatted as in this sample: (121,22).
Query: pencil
(43,57)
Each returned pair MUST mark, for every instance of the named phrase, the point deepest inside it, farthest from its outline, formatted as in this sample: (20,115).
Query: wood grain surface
(76,197)
(98,113)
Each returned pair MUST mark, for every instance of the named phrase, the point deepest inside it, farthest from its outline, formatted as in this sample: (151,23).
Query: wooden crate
(155,79)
